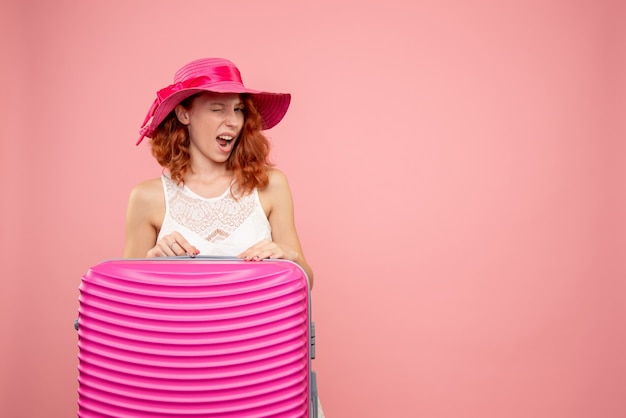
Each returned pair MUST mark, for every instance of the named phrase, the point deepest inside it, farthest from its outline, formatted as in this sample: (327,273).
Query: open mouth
(225,142)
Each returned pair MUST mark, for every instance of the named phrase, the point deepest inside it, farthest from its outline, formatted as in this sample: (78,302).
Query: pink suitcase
(182,337)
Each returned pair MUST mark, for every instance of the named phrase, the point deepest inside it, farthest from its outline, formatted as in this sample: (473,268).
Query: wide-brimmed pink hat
(219,76)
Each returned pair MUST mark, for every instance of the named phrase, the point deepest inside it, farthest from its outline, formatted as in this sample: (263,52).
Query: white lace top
(222,226)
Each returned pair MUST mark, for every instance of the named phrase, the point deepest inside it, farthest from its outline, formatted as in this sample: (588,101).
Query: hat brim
(271,106)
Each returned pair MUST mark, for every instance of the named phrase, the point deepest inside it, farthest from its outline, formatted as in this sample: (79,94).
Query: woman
(218,194)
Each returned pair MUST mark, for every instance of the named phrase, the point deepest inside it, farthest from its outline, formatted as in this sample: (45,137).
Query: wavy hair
(249,159)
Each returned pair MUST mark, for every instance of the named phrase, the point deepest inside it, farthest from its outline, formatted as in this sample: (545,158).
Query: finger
(279,252)
(252,254)
(160,250)
(167,247)
(248,253)
(176,248)
(180,246)
(262,254)
(259,251)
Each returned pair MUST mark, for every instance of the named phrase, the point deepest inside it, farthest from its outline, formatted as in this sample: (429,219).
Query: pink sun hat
(217,75)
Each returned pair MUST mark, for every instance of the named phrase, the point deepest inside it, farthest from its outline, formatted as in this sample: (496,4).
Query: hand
(171,245)
(268,249)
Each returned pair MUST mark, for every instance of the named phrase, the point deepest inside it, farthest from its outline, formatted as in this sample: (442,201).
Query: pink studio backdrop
(457,169)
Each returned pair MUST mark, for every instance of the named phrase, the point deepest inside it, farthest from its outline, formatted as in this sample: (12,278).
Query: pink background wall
(457,167)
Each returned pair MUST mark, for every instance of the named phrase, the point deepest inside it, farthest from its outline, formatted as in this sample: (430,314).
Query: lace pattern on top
(214,219)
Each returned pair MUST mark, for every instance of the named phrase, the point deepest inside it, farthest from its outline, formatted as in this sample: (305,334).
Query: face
(214,121)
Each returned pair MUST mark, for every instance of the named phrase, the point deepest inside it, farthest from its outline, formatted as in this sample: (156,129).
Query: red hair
(249,160)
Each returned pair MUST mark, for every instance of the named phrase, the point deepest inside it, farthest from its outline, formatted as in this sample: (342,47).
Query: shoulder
(276,195)
(148,191)
(278,185)
(277,179)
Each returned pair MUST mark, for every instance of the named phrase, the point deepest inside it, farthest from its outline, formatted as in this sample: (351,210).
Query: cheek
(206,121)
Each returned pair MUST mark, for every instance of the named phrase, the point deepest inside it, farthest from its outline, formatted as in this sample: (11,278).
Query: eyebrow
(239,103)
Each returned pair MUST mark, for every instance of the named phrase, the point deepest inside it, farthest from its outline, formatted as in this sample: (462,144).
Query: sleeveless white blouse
(221,226)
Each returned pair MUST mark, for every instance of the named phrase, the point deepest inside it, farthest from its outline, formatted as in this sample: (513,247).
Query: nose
(233,118)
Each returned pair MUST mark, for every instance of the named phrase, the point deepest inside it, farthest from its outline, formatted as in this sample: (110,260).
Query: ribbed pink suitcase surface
(182,337)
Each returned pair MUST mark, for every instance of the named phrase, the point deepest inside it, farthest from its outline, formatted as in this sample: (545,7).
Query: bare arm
(145,205)
(285,243)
